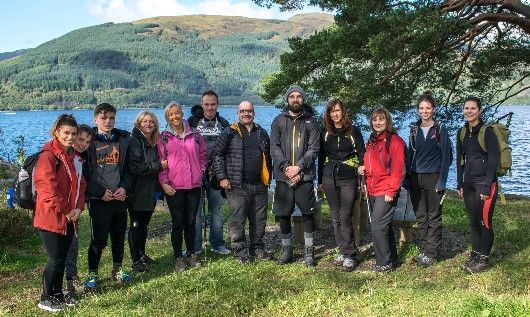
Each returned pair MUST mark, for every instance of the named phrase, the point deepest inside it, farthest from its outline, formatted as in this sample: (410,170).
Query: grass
(224,288)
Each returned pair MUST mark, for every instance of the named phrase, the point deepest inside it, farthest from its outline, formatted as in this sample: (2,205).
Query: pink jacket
(187,158)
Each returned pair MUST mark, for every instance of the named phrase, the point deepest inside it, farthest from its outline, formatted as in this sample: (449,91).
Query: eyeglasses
(249,111)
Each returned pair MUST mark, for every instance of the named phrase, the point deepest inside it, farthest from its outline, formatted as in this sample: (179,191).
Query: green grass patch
(223,287)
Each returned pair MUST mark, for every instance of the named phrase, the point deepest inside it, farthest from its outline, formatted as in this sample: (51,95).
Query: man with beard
(294,150)
(242,163)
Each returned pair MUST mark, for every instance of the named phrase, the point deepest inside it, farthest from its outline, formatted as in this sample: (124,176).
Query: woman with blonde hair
(144,164)
(384,167)
(60,199)
(185,151)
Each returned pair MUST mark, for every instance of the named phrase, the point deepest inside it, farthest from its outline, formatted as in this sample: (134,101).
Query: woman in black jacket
(144,164)
(341,151)
(477,182)
(430,155)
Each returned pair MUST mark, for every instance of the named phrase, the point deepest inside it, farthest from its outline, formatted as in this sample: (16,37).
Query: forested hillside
(150,62)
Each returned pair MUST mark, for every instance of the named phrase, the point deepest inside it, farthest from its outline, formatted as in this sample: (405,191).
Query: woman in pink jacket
(186,155)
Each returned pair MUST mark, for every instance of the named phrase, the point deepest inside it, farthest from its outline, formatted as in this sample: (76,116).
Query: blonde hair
(154,136)
(168,107)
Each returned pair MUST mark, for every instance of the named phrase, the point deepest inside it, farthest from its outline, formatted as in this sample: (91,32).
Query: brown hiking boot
(180,264)
(193,261)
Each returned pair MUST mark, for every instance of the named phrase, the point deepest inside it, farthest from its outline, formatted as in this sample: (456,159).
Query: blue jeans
(215,220)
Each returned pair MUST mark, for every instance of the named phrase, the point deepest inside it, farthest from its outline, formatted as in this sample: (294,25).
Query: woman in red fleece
(384,167)
(60,199)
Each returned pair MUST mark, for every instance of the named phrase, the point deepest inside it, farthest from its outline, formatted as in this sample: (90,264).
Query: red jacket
(57,189)
(385,171)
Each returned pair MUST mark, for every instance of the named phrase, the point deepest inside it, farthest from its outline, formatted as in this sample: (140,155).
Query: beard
(295,107)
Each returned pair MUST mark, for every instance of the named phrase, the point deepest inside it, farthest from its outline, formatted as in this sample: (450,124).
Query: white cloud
(130,10)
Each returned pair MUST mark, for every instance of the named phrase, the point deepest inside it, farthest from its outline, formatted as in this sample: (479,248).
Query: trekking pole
(363,182)
(204,190)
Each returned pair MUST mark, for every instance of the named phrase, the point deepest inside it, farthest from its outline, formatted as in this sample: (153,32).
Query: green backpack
(502,132)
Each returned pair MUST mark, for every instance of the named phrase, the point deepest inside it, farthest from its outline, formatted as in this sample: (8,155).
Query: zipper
(293,143)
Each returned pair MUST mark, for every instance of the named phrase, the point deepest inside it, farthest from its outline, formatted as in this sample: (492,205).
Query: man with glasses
(242,163)
(210,124)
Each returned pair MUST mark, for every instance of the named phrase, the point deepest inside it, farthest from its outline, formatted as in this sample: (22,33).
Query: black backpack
(25,194)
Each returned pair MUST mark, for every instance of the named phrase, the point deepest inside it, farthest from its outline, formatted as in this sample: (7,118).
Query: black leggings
(56,246)
(139,220)
(480,217)
(183,206)
(285,224)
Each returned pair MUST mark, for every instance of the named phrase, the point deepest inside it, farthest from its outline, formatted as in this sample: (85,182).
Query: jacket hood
(54,147)
(197,111)
(187,130)
(114,132)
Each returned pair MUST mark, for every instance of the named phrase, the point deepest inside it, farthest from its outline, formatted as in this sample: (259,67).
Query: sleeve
(126,177)
(203,152)
(138,165)
(277,154)
(93,188)
(321,157)
(397,165)
(267,152)
(313,146)
(45,177)
(446,149)
(459,161)
(82,189)
(163,174)
(219,152)
(359,144)
(492,148)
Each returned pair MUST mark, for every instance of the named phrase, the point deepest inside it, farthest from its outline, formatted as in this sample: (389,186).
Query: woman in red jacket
(60,199)
(384,167)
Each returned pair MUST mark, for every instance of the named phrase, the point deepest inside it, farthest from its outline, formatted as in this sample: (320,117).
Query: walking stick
(204,189)
(363,182)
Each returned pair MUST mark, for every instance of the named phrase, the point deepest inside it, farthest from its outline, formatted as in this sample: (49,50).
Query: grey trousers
(248,202)
(381,229)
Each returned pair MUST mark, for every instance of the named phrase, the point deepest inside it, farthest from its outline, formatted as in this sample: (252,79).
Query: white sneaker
(221,250)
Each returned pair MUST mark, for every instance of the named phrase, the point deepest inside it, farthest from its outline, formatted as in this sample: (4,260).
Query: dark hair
(475,99)
(64,119)
(87,129)
(103,108)
(210,93)
(329,125)
(426,96)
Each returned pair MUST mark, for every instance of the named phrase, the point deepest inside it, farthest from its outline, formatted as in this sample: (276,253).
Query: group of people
(205,158)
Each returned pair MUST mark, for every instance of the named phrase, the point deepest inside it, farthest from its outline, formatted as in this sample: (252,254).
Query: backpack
(502,133)
(25,194)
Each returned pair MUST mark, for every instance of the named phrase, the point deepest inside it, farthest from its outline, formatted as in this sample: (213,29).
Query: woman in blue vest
(430,155)
(341,151)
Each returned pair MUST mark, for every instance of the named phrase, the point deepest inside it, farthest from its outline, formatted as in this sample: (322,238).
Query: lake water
(35,125)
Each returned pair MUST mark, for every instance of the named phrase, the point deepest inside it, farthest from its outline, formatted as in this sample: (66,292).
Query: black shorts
(303,195)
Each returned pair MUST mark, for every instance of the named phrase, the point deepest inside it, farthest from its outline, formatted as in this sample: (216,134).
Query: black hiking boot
(287,255)
(480,266)
(473,259)
(309,256)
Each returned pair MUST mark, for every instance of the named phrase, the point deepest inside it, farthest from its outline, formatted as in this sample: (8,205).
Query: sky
(29,23)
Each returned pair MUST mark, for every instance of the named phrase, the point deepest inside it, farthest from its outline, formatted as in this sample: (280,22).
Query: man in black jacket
(295,142)
(209,123)
(242,164)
